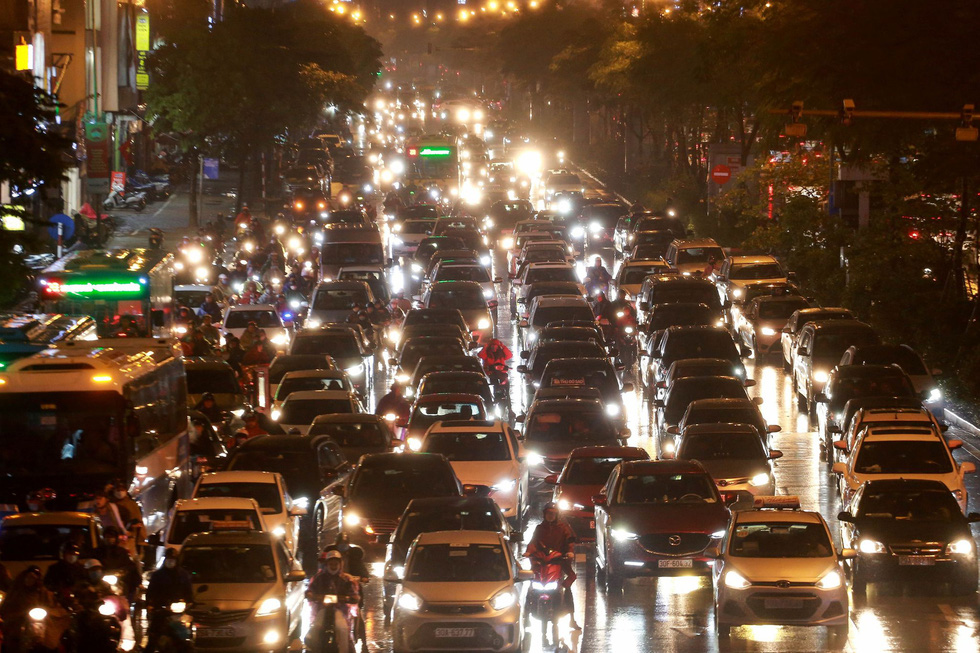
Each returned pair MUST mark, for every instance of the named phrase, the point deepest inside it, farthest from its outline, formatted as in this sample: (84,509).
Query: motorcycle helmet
(551,505)
(92,563)
(331,554)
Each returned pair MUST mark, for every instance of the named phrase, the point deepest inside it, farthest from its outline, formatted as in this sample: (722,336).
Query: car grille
(807,605)
(219,617)
(483,637)
(455,608)
(917,549)
(675,544)
(725,482)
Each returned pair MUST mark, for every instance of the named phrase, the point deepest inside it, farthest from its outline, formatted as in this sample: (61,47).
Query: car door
(327,511)
(800,355)
(786,338)
(602,518)
(292,590)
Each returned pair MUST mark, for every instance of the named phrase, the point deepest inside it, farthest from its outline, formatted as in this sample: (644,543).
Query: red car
(657,519)
(582,477)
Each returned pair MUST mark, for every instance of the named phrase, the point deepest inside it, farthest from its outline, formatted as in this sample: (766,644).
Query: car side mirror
(748,383)
(674,430)
(845,516)
(744,351)
(936,372)
(661,384)
(833,428)
(973,517)
(786,330)
(296,576)
(154,539)
(297,511)
(848,554)
(525,355)
(774,428)
(497,280)
(551,479)
(967,468)
(840,444)
(658,403)
(523,324)
(774,454)
(643,306)
(729,498)
(839,468)
(624,434)
(525,575)
(599,499)
(522,369)
(954,444)
(393,362)
(520,418)
(339,490)
(757,401)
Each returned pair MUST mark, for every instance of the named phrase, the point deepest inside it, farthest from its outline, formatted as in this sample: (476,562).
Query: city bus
(432,162)
(26,334)
(83,413)
(128,292)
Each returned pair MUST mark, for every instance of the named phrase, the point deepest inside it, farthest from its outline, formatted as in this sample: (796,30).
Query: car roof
(251,307)
(662,467)
(467,426)
(430,504)
(398,460)
(683,243)
(277,443)
(759,258)
(720,427)
(729,402)
(317,394)
(238,476)
(788,516)
(206,363)
(219,503)
(313,374)
(609,451)
(460,537)
(348,418)
(899,433)
(226,538)
(63,517)
(448,396)
(558,403)
(837,325)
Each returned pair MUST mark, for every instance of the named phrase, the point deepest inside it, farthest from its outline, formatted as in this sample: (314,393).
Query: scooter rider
(331,580)
(168,585)
(494,353)
(554,534)
(597,276)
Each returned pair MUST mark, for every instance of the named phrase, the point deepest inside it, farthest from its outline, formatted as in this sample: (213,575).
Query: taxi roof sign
(786,502)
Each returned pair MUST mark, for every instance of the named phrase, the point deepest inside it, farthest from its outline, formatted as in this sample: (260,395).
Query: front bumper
(239,631)
(906,565)
(582,523)
(646,556)
(800,605)
(473,628)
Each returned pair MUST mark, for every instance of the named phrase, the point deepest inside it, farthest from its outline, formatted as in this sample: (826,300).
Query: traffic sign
(721,174)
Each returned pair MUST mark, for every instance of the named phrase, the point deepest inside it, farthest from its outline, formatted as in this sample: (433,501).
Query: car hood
(580,494)
(229,596)
(563,448)
(632,288)
(748,283)
(796,570)
(895,531)
(670,518)
(391,508)
(725,469)
(484,472)
(456,592)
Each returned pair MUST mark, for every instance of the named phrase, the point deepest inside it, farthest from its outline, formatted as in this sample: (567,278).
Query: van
(347,247)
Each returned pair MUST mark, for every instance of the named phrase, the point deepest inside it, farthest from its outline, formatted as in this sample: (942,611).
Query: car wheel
(859,584)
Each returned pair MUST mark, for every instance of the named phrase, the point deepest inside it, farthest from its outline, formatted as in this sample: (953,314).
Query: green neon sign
(436,152)
(97,289)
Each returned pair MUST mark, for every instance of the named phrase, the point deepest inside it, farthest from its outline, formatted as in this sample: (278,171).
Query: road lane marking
(950,614)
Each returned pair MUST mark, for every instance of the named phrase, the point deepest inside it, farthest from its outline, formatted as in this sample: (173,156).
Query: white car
(460,589)
(299,409)
(280,514)
(205,515)
(305,380)
(406,235)
(738,272)
(468,272)
(485,454)
(266,318)
(559,181)
(779,566)
(630,276)
(895,452)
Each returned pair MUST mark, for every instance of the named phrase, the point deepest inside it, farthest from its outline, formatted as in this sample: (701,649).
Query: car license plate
(215,633)
(784,604)
(916,561)
(675,564)
(591,523)
(456,633)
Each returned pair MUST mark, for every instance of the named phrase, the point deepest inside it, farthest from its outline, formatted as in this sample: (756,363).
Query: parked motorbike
(134,201)
(545,597)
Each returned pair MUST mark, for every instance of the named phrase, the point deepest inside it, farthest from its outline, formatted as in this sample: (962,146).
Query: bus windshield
(62,433)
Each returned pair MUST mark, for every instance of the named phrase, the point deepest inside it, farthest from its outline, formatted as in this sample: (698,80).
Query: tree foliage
(30,148)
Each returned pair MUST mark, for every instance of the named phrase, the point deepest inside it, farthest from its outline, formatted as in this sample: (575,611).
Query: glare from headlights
(402,378)
(871,546)
(717,535)
(194,255)
(534,458)
(737,293)
(280,339)
(613,410)
(356,370)
(735,580)
(410,602)
(313,323)
(544,587)
(111,579)
(935,394)
(484,323)
(759,480)
(275,414)
(507,243)
(487,293)
(820,376)
(622,535)
(176,607)
(203,273)
(563,504)
(578,232)
(279,531)
(302,502)
(268,607)
(505,486)
(352,519)
(960,547)
(503,600)
(831,581)
(485,260)
(107,609)
(414,444)
(768,331)
(595,227)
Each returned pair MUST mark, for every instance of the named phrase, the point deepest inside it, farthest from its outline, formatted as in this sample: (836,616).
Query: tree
(31,150)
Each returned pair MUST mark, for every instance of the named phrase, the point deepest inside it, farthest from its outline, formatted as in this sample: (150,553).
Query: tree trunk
(194,164)
(960,288)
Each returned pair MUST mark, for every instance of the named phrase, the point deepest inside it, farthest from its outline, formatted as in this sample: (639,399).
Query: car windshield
(243,563)
(341,345)
(406,483)
(352,253)
(572,426)
(302,383)
(265,494)
(304,411)
(724,415)
(684,391)
(445,386)
(673,293)
(298,467)
(344,217)
(700,344)
(220,381)
(831,346)
(546,314)
(564,180)
(191,298)
(467,446)
(932,505)
(188,522)
(666,488)
(721,368)
(635,274)
(904,357)
(722,446)
(415,226)
(550,274)
(352,434)
(589,471)
(879,385)
(457,296)
(668,315)
(699,254)
(429,413)
(262,319)
(327,299)
(429,521)
(445,563)
(754,271)
(903,457)
(780,540)
(581,375)
(464,273)
(780,310)
(23,542)
(283,364)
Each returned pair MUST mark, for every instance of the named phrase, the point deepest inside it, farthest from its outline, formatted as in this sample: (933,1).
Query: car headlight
(485,260)
(759,479)
(275,414)
(768,331)
(506,485)
(267,607)
(544,587)
(107,608)
(871,546)
(613,410)
(484,323)
(628,330)
(313,323)
(503,599)
(563,504)
(111,579)
(410,602)
(935,394)
(414,444)
(416,268)
(394,336)
(178,266)
(507,243)
(820,376)
(302,502)
(831,581)
(402,378)
(735,580)
(357,370)
(534,458)
(595,227)
(177,607)
(960,547)
(279,531)
(352,519)
(578,233)
(280,339)
(737,292)
(194,255)
(621,535)
(717,535)
(487,293)
(203,273)
(238,412)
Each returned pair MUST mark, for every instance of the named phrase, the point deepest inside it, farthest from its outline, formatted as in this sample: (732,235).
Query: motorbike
(97,626)
(625,338)
(498,373)
(170,630)
(323,636)
(134,201)
(43,629)
(545,601)
(595,285)
(157,187)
